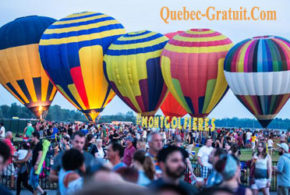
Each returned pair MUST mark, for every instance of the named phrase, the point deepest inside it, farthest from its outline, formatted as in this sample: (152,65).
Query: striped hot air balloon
(192,68)
(258,73)
(132,66)
(71,51)
(21,72)
(170,106)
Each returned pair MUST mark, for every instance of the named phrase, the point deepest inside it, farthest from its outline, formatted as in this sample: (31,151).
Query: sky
(145,14)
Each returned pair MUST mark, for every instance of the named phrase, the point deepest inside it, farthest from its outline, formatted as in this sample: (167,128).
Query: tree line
(56,113)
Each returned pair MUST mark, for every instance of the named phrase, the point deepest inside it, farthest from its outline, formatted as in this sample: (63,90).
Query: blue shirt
(118,166)
(283,166)
(143,180)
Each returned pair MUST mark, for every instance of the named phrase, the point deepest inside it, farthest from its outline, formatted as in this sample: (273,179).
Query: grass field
(246,154)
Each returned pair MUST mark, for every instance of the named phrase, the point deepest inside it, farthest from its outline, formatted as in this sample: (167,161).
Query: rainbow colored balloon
(192,68)
(21,72)
(71,51)
(132,66)
(258,73)
(170,107)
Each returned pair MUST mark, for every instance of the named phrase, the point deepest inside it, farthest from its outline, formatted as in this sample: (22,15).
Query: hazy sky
(145,14)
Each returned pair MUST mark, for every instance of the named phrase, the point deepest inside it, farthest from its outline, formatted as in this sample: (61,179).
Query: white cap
(284,146)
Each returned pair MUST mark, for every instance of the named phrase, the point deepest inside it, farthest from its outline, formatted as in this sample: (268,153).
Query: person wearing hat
(129,151)
(283,170)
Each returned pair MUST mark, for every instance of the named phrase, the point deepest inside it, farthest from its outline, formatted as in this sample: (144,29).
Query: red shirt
(12,149)
(128,155)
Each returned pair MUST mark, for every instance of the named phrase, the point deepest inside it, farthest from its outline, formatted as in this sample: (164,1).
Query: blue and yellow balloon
(71,51)
(21,72)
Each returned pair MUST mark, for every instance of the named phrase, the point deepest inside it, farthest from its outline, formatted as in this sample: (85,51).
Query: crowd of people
(129,159)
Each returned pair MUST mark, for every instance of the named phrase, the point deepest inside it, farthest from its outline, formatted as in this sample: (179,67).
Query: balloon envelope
(170,107)
(258,73)
(132,65)
(21,72)
(71,51)
(192,67)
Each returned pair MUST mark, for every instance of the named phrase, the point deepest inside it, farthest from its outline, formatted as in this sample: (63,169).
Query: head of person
(73,159)
(1,124)
(35,137)
(283,148)
(229,167)
(216,191)
(129,141)
(228,146)
(115,150)
(78,140)
(170,189)
(141,160)
(99,142)
(172,161)
(129,174)
(215,155)
(262,149)
(141,145)
(208,142)
(178,140)
(235,150)
(4,154)
(155,142)
(8,135)
(90,138)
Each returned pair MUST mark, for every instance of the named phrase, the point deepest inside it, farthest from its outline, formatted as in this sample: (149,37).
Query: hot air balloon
(132,66)
(192,68)
(258,72)
(21,72)
(170,107)
(71,52)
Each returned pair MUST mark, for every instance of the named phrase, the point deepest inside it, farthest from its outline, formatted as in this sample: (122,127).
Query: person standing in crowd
(129,151)
(145,167)
(100,153)
(4,157)
(253,140)
(78,142)
(10,169)
(90,146)
(114,154)
(229,167)
(23,156)
(28,130)
(2,131)
(155,145)
(69,180)
(202,158)
(172,163)
(283,170)
(263,170)
(270,145)
(215,178)
(178,143)
(248,137)
(36,156)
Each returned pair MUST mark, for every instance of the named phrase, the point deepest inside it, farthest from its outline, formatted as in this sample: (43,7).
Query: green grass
(246,154)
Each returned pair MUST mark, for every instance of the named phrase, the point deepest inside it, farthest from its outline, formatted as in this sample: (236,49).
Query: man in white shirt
(248,137)
(2,131)
(202,158)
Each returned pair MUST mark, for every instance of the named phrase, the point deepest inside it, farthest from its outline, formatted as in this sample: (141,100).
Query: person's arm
(280,166)
(53,175)
(26,158)
(269,168)
(248,192)
(25,129)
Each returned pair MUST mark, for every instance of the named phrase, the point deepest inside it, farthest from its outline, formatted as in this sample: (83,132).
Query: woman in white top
(263,170)
(100,153)
(270,145)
